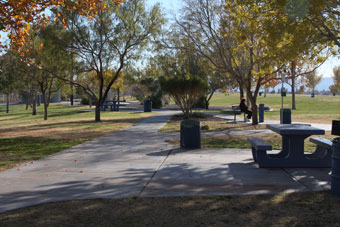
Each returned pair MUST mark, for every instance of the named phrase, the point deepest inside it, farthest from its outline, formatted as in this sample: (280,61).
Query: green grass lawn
(296,209)
(26,149)
(321,109)
(25,137)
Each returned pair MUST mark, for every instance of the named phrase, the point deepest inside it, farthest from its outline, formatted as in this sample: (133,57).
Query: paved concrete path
(138,162)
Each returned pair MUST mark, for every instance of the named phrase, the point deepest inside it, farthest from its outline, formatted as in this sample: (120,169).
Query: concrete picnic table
(292,153)
(113,104)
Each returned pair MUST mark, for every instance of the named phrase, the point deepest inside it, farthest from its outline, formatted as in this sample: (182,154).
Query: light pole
(283,79)
(285,114)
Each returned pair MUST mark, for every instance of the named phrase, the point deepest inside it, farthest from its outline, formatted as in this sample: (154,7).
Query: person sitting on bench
(244,108)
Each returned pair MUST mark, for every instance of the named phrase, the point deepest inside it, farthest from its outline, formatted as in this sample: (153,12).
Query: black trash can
(335,183)
(261,113)
(285,116)
(190,134)
(312,95)
(148,105)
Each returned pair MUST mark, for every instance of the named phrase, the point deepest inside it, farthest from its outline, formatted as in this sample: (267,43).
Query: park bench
(237,111)
(323,148)
(114,106)
(259,147)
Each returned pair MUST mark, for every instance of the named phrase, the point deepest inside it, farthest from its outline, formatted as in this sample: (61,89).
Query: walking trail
(138,162)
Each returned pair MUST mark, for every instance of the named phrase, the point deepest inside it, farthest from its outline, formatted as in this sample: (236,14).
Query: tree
(115,38)
(312,80)
(8,73)
(234,39)
(16,16)
(44,55)
(335,88)
(216,80)
(323,15)
(298,68)
(185,92)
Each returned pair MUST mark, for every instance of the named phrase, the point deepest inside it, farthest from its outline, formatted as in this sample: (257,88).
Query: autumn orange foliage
(16,15)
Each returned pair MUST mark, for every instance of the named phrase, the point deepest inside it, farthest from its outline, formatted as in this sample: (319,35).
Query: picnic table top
(295,129)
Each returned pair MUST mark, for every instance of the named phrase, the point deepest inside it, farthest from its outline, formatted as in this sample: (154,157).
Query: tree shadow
(182,179)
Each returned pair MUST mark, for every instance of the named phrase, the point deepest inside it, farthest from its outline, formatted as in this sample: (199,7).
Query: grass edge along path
(293,209)
(17,151)
(25,138)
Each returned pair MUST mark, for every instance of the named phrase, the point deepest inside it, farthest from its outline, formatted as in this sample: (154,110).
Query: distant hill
(323,85)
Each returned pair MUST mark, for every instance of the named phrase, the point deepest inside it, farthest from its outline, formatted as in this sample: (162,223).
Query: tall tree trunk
(45,111)
(28,100)
(34,104)
(241,93)
(118,100)
(249,96)
(209,98)
(293,70)
(7,103)
(254,110)
(45,106)
(71,96)
(90,101)
(38,100)
(97,117)
(265,91)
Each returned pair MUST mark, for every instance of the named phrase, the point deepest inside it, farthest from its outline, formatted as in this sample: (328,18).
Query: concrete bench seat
(258,145)
(323,149)
(321,142)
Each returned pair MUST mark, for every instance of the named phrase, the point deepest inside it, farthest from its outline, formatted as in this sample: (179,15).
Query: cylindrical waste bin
(261,113)
(335,184)
(285,116)
(190,134)
(148,105)
(312,95)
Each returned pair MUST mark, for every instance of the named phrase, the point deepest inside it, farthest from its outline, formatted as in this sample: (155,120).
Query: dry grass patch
(82,128)
(214,124)
(297,209)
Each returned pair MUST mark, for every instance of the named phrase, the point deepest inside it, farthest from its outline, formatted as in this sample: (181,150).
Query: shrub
(185,92)
(85,100)
(201,103)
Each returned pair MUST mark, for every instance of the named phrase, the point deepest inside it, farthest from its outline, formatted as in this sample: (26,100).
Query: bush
(201,103)
(85,100)
(185,92)
(156,100)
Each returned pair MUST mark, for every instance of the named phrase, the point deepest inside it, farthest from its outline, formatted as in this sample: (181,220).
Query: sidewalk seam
(154,174)
(297,180)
